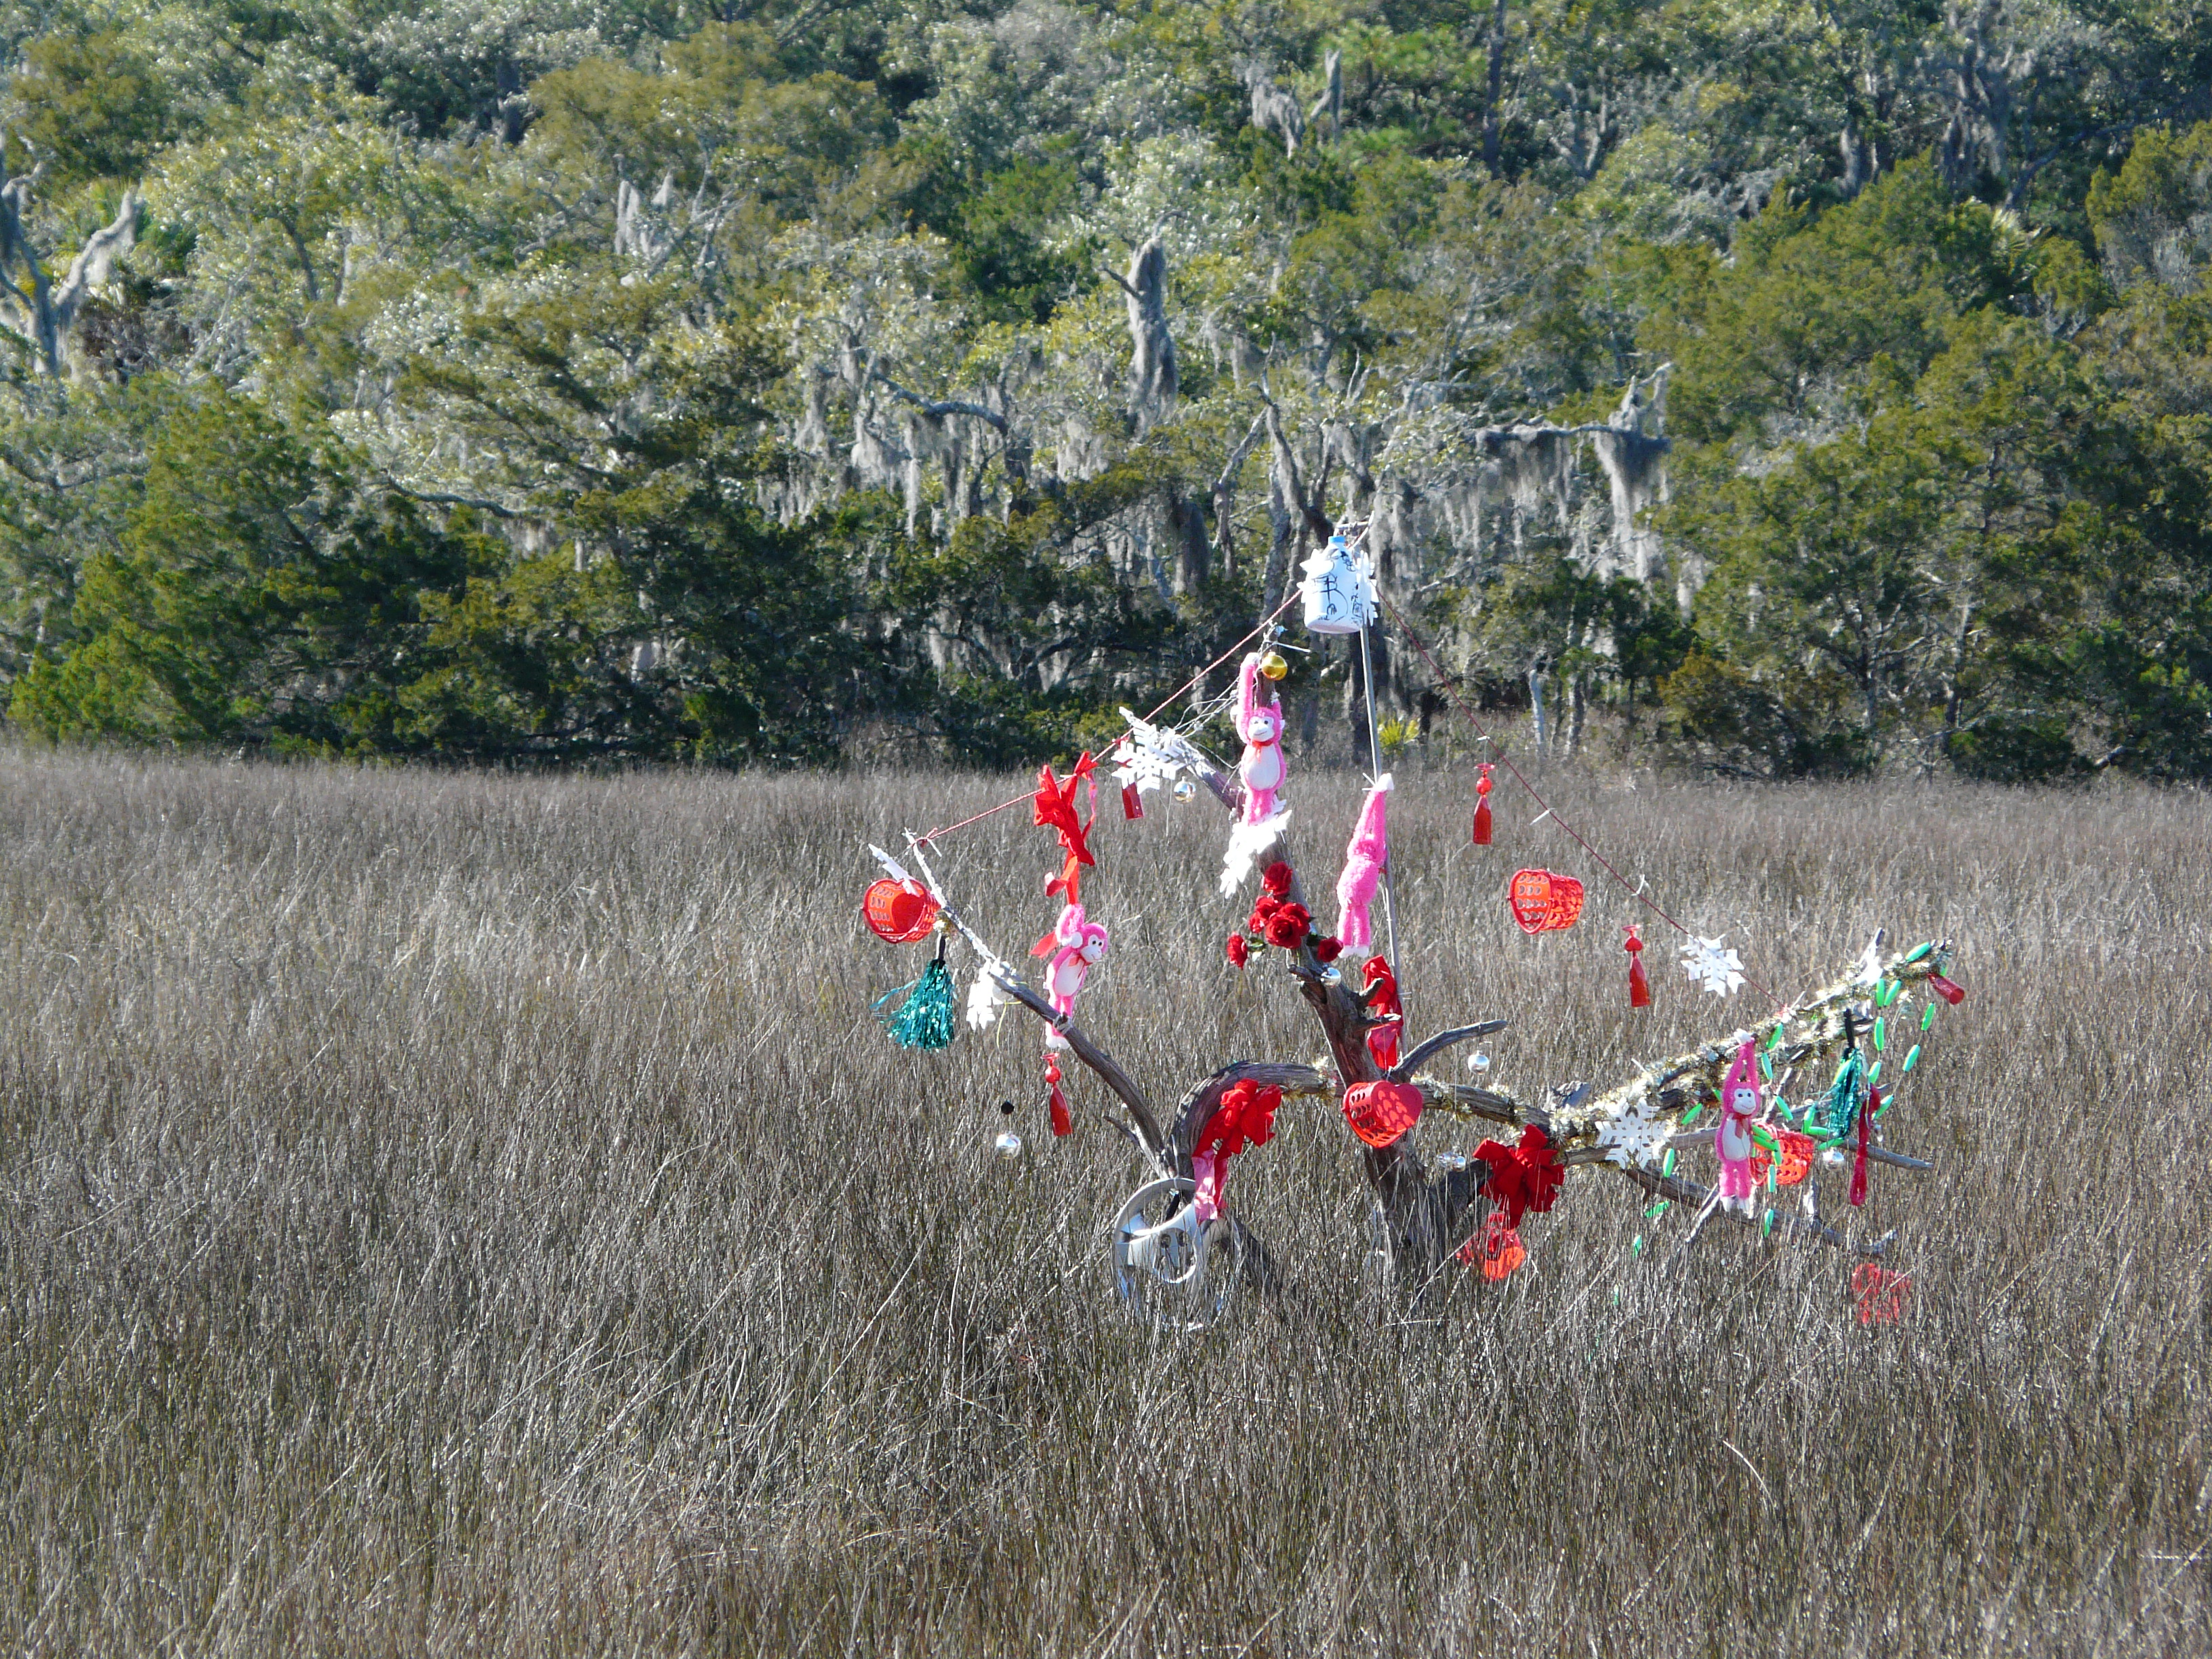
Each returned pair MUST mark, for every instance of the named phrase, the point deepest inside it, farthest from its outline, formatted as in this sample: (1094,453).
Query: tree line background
(1791,388)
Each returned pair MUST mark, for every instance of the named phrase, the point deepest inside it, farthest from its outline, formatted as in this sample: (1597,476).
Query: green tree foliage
(1800,391)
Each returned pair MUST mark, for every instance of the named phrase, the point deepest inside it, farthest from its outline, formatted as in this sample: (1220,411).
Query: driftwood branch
(1079,1042)
(1436,1045)
(1688,1192)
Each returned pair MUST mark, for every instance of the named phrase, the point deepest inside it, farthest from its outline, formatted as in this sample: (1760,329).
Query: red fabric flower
(1276,878)
(1287,928)
(1521,1178)
(1240,953)
(1262,907)
(1325,948)
(1245,1117)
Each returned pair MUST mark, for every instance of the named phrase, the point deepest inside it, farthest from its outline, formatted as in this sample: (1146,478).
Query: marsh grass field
(454,1214)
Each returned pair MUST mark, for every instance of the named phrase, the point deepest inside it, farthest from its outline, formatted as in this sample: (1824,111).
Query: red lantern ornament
(898,912)
(1880,1294)
(1639,988)
(1061,1122)
(1953,994)
(1482,786)
(1502,1249)
(1380,1113)
(1543,903)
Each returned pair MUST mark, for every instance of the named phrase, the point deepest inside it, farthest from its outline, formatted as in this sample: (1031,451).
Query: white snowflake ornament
(1711,967)
(1149,756)
(1634,1137)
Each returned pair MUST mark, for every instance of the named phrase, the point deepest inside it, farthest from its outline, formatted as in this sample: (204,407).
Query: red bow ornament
(1521,1178)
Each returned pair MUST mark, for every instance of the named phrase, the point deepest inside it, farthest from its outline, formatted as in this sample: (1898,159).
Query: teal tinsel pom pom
(924,1020)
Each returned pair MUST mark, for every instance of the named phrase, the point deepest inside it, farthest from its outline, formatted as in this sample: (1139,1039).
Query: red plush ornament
(1276,879)
(898,912)
(1639,988)
(1521,1178)
(1543,903)
(1482,786)
(1240,950)
(1383,1040)
(1287,928)
(1380,1113)
(1325,948)
(1061,1122)
(1953,994)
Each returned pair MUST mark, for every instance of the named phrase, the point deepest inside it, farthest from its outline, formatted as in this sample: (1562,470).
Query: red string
(1603,863)
(933,835)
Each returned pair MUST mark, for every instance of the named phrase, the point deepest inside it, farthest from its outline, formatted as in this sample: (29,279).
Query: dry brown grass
(469,1213)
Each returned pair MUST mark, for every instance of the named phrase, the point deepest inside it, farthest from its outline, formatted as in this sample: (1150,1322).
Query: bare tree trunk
(1491,140)
(1536,696)
(1152,346)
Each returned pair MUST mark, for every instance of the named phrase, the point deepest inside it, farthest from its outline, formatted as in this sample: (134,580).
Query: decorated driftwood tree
(1179,1250)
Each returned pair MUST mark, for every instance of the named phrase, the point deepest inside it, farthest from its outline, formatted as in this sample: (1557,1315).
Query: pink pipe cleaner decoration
(1365,856)
(1261,725)
(1732,1139)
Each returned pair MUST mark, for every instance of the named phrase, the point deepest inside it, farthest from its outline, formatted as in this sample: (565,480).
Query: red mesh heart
(899,912)
(1381,1113)
(1543,903)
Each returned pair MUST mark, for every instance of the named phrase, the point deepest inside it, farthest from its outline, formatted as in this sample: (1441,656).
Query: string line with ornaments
(1707,962)
(1177,1247)
(936,835)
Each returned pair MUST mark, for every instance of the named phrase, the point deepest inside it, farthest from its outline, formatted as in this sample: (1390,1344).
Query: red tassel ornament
(1482,788)
(1953,994)
(1061,1122)
(1639,988)
(1865,1135)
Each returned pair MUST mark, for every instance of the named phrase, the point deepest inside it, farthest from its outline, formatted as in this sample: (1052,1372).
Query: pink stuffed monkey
(1261,725)
(1364,858)
(1732,1140)
(1081,944)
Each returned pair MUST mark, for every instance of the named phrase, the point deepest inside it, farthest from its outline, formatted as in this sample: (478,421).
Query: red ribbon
(1054,810)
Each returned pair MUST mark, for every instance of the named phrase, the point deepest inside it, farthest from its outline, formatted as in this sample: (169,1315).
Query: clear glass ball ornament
(1479,1061)
(1008,1145)
(1185,788)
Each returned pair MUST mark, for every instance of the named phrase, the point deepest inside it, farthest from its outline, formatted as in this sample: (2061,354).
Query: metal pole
(1375,758)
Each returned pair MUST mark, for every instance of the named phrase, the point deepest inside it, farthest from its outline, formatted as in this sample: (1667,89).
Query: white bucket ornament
(1338,597)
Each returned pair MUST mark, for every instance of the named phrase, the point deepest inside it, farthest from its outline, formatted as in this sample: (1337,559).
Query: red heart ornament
(898,912)
(1543,903)
(1381,1113)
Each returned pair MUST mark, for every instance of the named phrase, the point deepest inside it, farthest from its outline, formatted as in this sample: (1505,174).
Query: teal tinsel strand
(924,1020)
(1841,1109)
